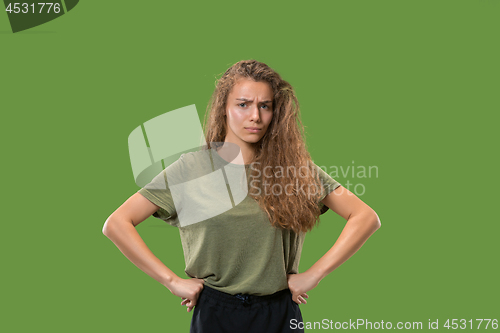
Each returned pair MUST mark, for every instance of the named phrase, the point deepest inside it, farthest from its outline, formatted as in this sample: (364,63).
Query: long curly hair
(282,149)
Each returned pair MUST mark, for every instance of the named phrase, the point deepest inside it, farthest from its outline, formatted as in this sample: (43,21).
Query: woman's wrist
(168,279)
(316,273)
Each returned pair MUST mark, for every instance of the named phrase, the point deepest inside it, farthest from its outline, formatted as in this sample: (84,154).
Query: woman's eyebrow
(249,100)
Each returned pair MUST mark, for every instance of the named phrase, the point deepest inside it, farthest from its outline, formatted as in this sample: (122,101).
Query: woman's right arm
(120,229)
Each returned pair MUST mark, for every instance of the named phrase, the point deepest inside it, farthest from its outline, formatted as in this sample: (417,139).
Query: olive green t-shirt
(226,237)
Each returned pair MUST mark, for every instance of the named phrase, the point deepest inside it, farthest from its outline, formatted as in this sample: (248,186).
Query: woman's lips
(253,129)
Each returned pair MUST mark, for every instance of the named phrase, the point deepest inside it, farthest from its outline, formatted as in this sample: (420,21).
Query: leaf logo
(28,14)
(194,176)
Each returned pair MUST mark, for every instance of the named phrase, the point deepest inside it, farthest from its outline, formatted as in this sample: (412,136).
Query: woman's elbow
(108,227)
(371,219)
(376,221)
(116,224)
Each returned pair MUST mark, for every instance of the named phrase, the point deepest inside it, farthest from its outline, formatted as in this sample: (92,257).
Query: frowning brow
(249,100)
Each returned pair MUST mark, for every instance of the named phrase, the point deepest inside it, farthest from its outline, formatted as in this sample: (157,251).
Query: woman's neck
(237,153)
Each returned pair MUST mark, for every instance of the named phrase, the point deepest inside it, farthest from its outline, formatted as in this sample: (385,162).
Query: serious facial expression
(249,111)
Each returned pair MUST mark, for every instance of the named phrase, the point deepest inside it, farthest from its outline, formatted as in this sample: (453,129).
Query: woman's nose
(255,113)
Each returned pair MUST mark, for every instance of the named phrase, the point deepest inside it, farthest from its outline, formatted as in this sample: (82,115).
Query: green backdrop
(410,87)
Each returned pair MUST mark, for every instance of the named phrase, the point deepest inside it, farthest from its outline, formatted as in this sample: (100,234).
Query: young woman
(242,256)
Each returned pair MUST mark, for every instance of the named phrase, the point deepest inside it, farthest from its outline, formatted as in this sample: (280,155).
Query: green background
(408,86)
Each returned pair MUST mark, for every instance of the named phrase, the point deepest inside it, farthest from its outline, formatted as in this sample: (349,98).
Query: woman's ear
(225,121)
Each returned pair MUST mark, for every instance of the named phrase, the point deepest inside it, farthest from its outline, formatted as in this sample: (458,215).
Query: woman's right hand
(188,290)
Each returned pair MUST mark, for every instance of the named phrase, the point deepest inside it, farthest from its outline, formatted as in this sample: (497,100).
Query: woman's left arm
(362,222)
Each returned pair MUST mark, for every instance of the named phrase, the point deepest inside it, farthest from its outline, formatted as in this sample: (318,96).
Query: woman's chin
(253,140)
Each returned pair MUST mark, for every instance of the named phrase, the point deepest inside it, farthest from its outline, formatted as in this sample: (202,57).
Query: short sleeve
(329,185)
(161,198)
(158,192)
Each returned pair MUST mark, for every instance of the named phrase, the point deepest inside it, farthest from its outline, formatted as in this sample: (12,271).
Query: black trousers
(218,312)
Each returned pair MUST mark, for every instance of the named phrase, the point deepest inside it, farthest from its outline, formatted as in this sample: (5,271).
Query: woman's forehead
(249,88)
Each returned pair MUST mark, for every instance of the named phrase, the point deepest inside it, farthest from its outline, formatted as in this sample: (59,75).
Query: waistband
(242,298)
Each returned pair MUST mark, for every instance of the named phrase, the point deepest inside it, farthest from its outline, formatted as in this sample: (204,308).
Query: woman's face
(249,111)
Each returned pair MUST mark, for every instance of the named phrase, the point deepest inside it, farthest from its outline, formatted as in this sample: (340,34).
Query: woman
(242,258)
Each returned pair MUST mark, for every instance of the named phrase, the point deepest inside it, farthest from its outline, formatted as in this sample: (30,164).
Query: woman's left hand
(300,284)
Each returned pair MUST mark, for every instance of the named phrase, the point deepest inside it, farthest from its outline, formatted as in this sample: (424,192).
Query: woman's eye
(245,104)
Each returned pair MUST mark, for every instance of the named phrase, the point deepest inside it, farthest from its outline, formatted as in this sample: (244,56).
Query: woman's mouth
(253,129)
